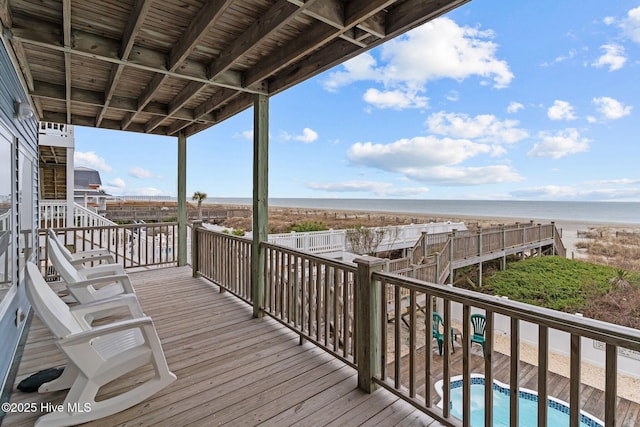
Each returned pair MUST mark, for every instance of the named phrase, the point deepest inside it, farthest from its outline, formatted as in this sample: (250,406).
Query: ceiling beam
(205,19)
(278,16)
(138,14)
(89,45)
(82,96)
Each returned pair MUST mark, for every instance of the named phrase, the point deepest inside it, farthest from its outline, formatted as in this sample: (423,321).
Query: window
(6,214)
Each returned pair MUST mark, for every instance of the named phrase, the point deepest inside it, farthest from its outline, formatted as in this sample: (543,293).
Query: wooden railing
(397,369)
(132,245)
(224,259)
(314,296)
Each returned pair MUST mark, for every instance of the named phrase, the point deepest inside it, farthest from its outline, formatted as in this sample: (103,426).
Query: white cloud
(139,172)
(362,67)
(614,57)
(559,145)
(631,25)
(561,110)
(415,152)
(91,160)
(482,175)
(405,67)
(375,187)
(622,189)
(610,108)
(484,127)
(396,99)
(429,159)
(117,183)
(514,107)
(453,96)
(308,136)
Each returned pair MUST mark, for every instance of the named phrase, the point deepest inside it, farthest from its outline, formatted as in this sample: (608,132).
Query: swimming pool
(558,413)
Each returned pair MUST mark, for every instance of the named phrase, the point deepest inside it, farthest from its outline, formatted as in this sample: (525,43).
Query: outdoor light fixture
(23,110)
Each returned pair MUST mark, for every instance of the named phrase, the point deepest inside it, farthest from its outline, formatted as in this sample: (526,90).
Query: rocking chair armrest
(123,279)
(103,330)
(107,306)
(80,261)
(101,270)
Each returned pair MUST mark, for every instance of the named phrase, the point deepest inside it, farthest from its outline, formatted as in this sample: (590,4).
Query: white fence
(394,237)
(592,352)
(53,214)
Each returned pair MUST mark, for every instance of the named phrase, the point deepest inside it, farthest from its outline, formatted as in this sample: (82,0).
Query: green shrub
(306,226)
(238,232)
(552,282)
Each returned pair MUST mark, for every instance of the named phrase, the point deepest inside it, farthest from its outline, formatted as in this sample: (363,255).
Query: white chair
(83,283)
(78,259)
(96,355)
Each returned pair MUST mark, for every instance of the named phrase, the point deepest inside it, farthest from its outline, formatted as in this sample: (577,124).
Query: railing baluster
(514,377)
(412,343)
(488,369)
(446,360)
(574,385)
(396,336)
(543,366)
(428,357)
(466,366)
(611,385)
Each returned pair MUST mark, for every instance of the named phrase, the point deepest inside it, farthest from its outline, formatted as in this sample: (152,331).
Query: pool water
(558,413)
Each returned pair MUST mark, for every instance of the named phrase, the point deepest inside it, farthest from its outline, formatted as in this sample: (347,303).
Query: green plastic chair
(479,323)
(437,325)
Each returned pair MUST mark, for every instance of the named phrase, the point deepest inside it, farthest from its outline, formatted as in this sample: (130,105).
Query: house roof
(166,66)
(86,178)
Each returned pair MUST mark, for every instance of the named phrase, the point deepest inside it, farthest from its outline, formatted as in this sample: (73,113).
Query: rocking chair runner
(437,326)
(96,355)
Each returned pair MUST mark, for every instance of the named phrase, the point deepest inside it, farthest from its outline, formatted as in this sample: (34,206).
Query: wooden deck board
(231,368)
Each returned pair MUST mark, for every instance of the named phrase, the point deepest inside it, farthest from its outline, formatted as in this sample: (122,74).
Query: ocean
(599,212)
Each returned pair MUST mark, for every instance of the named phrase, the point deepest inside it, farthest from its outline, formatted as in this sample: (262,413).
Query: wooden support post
(553,237)
(368,309)
(438,272)
(195,242)
(260,199)
(503,264)
(182,199)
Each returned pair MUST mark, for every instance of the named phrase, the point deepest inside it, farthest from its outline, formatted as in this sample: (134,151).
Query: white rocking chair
(83,283)
(78,259)
(96,355)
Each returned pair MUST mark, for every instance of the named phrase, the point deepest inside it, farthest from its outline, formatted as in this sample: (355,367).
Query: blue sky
(496,100)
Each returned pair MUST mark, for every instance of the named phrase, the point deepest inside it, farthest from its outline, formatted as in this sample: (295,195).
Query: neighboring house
(87,191)
(18,212)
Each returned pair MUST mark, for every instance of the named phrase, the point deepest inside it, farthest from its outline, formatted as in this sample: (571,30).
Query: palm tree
(199,196)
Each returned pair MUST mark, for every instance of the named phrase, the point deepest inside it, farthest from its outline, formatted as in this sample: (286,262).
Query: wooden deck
(232,369)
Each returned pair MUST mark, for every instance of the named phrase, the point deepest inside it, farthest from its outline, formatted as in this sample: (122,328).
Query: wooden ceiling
(165,66)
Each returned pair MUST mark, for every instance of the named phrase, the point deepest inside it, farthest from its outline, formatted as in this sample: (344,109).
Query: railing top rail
(107,227)
(307,255)
(230,236)
(598,330)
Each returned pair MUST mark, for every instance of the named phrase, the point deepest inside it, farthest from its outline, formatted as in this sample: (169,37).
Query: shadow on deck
(231,368)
